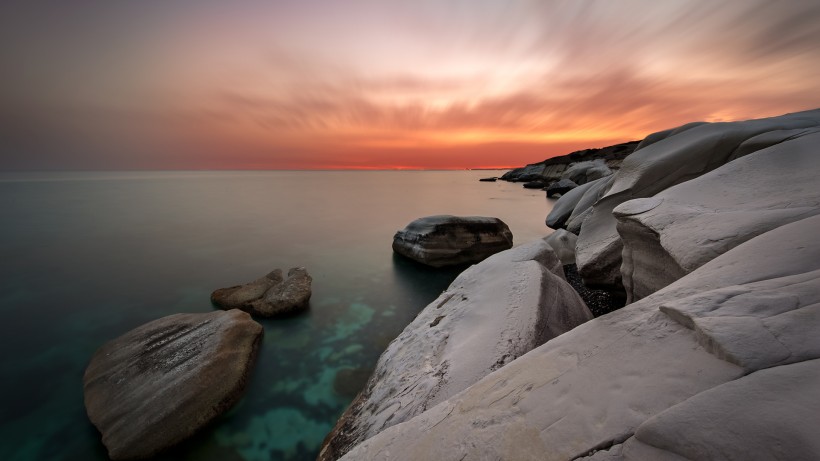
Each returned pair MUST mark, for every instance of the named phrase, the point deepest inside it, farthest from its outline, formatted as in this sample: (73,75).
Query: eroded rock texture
(492,313)
(674,157)
(673,233)
(640,384)
(270,295)
(161,382)
(445,240)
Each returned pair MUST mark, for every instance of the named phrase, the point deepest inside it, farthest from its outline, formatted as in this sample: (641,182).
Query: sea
(87,256)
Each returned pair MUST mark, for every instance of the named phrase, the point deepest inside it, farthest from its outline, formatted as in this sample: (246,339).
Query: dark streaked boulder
(445,240)
(159,383)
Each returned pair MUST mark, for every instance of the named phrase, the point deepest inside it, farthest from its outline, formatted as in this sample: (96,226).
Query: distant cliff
(551,169)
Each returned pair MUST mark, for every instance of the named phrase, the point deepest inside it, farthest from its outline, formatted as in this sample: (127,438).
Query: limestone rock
(584,172)
(678,230)
(769,414)
(492,313)
(445,240)
(562,209)
(161,382)
(561,187)
(553,169)
(678,157)
(270,295)
(594,386)
(563,244)
(584,206)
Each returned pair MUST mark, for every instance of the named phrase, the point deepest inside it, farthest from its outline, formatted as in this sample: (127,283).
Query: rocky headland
(709,231)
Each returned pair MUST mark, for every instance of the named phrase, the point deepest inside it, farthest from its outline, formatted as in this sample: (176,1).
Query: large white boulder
(492,313)
(678,230)
(680,156)
(592,388)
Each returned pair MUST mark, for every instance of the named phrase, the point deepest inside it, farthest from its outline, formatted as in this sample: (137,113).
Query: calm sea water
(89,256)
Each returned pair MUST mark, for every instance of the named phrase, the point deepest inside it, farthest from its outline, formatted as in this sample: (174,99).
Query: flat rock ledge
(491,314)
(158,384)
(445,240)
(268,296)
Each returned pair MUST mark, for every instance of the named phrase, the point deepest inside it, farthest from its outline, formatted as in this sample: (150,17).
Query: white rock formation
(584,172)
(683,154)
(678,230)
(599,386)
(584,206)
(562,209)
(492,313)
(563,244)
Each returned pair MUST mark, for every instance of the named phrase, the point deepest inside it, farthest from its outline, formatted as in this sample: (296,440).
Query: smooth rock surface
(560,187)
(270,295)
(678,230)
(767,415)
(445,240)
(584,172)
(562,209)
(563,244)
(681,156)
(492,313)
(159,383)
(583,207)
(593,387)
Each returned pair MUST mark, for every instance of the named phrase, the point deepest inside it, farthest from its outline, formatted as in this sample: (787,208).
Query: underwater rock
(159,383)
(445,240)
(268,296)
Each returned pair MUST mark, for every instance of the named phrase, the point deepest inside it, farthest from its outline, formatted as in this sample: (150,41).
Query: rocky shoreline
(709,232)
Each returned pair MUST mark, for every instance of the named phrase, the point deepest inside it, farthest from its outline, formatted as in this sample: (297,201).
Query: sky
(429,84)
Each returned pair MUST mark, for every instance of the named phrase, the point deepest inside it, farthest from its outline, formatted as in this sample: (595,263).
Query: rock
(492,179)
(268,296)
(552,169)
(677,158)
(584,172)
(584,206)
(563,244)
(769,414)
(560,187)
(492,313)
(445,240)
(673,233)
(595,386)
(161,382)
(562,209)
(539,184)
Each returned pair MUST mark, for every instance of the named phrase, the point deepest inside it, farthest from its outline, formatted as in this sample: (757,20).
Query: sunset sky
(383,84)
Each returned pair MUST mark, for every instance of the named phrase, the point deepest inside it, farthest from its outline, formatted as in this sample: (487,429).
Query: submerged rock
(560,187)
(268,296)
(535,184)
(492,313)
(445,240)
(161,382)
(648,380)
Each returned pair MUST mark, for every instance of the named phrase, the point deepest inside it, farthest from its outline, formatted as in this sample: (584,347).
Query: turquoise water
(89,256)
